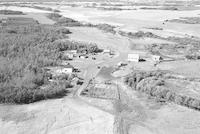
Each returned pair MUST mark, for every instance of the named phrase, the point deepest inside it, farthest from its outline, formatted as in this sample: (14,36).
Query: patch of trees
(153,84)
(189,48)
(81,47)
(159,8)
(107,28)
(24,52)
(187,20)
(11,12)
(14,21)
(63,21)
(139,34)
(40,8)
(45,8)
(115,8)
(155,28)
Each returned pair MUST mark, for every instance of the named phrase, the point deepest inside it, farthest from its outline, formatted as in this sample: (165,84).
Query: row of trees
(64,21)
(11,12)
(153,84)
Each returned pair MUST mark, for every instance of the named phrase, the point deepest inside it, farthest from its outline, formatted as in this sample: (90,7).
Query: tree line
(153,84)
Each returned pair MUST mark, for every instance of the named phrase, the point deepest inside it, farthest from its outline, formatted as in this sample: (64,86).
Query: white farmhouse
(134,57)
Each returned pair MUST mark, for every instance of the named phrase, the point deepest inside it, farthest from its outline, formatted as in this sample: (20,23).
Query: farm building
(74,52)
(67,69)
(106,51)
(134,57)
(59,70)
(83,56)
(120,64)
(68,55)
(156,58)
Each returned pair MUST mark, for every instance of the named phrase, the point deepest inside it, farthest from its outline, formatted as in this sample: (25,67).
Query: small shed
(134,57)
(156,58)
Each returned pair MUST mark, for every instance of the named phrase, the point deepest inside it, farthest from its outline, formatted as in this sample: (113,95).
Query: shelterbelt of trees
(24,52)
(64,21)
(153,84)
(11,12)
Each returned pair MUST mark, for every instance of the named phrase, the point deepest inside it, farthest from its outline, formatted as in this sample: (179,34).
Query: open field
(55,116)
(36,14)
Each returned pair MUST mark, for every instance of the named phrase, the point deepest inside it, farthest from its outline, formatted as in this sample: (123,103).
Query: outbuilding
(68,55)
(59,70)
(134,57)
(83,56)
(156,58)
(73,52)
(67,69)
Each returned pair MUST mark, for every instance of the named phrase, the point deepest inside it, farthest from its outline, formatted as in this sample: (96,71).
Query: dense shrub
(107,28)
(24,52)
(153,84)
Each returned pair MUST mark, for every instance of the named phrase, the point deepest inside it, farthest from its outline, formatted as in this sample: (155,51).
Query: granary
(134,57)
(156,58)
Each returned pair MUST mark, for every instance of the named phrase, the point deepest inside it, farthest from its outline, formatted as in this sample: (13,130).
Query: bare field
(55,116)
